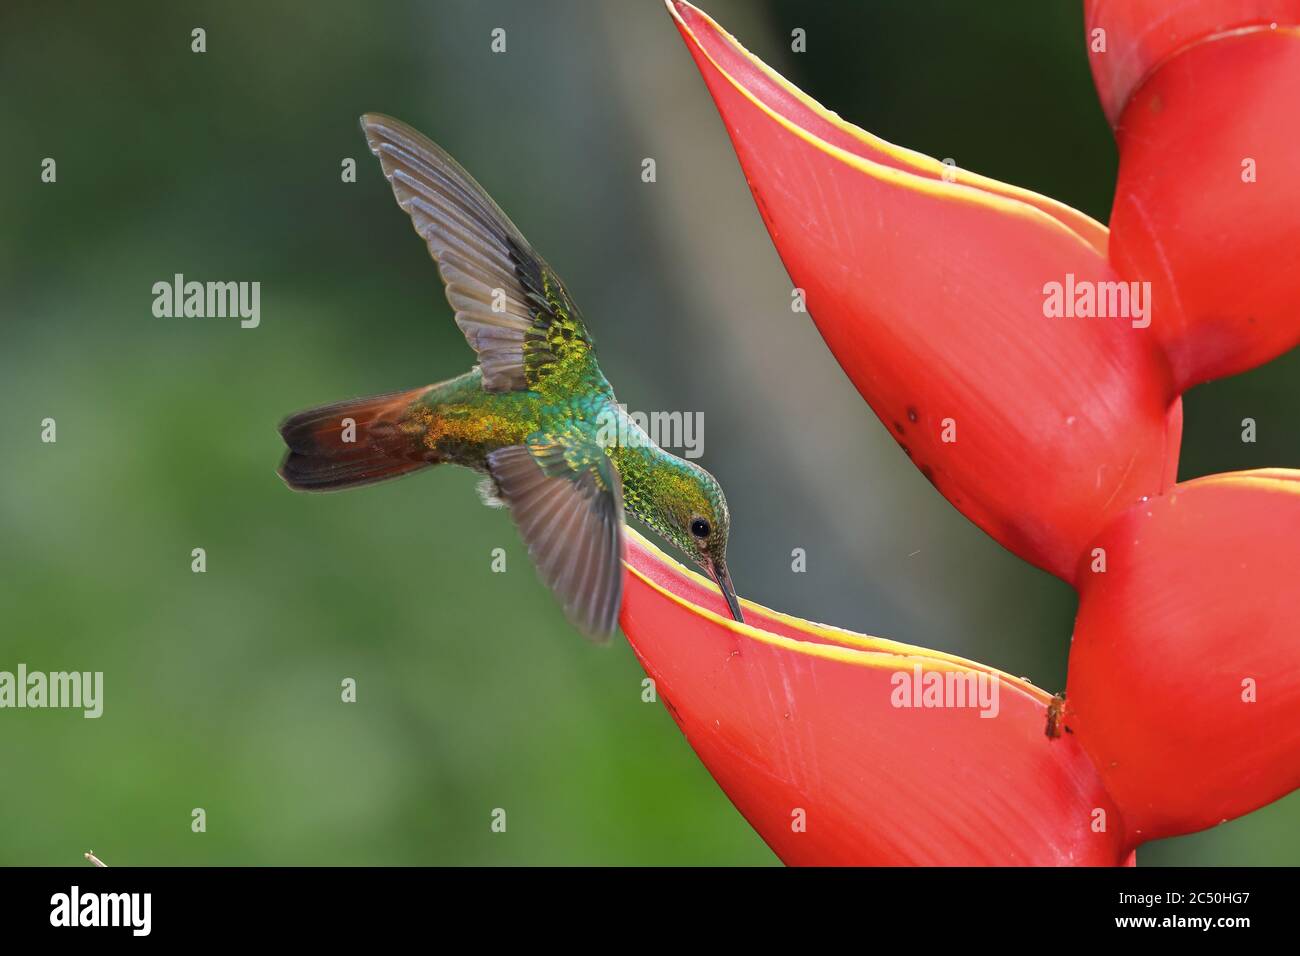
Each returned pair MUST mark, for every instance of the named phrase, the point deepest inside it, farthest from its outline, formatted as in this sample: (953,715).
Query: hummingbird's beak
(722,578)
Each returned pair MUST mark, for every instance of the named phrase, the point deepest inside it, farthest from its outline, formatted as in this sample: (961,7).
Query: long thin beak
(722,578)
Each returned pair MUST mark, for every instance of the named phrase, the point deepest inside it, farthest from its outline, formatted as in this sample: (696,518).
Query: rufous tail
(353,443)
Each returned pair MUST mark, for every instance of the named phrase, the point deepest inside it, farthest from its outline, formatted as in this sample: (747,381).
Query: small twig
(90,855)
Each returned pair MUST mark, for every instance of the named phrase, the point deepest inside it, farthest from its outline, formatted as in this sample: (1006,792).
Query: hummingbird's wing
(567,500)
(510,304)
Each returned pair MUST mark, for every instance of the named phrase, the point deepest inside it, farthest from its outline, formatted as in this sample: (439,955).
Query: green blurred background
(222,689)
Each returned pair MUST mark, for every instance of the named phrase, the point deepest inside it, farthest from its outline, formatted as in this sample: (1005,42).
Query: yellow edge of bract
(850,647)
(1001,199)
(1276,479)
(912,157)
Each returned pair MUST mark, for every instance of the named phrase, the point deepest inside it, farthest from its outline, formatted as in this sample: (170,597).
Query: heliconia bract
(950,301)
(1184,675)
(1204,96)
(823,739)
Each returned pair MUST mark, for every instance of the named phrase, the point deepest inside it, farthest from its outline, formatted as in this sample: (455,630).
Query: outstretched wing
(567,500)
(512,307)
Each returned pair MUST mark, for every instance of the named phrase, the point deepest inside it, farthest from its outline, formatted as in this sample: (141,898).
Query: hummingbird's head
(693,512)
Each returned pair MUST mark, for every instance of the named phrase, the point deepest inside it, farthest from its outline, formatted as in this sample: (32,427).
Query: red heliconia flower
(933,287)
(802,726)
(1205,99)
(1184,678)
(1059,436)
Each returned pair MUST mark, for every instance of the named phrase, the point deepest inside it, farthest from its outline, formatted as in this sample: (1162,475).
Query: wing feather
(511,306)
(571,519)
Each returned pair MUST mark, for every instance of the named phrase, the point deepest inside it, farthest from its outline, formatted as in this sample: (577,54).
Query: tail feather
(352,443)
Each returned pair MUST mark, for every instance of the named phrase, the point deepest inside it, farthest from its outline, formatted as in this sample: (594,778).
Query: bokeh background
(222,689)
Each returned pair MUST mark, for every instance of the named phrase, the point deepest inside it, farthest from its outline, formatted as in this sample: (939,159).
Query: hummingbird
(536,416)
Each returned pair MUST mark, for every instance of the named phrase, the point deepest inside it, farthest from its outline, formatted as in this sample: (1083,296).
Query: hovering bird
(536,416)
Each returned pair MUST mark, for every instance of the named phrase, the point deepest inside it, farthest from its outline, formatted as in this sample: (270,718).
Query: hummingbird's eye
(700,528)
